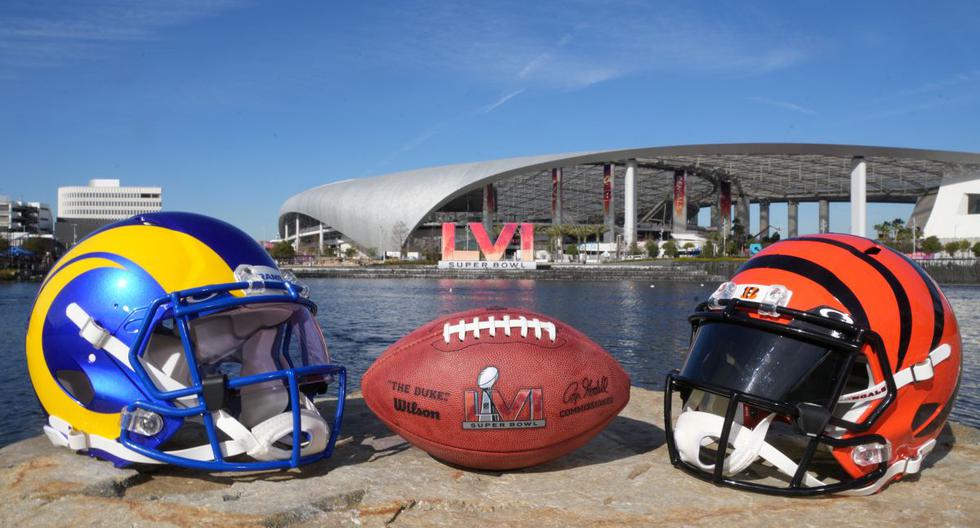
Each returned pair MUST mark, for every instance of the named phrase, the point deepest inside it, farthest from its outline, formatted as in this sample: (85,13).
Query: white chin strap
(696,429)
(258,442)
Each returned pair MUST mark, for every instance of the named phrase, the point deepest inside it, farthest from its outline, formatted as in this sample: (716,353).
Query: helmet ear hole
(77,384)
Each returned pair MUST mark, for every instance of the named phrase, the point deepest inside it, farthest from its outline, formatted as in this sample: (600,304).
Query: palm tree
(555,235)
(598,230)
(580,232)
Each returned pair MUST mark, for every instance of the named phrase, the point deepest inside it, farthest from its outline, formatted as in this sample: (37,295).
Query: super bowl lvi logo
(488,408)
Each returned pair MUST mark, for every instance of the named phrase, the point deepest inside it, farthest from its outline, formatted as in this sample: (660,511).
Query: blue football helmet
(173,338)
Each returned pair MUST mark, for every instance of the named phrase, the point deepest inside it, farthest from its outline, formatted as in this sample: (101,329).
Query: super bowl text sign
(493,253)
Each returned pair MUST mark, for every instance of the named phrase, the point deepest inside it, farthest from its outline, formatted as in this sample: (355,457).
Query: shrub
(282,250)
(652,247)
(708,251)
(932,245)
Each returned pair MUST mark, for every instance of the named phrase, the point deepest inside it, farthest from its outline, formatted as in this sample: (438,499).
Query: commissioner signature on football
(587,388)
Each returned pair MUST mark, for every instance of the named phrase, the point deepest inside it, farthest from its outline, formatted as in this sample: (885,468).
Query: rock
(622,478)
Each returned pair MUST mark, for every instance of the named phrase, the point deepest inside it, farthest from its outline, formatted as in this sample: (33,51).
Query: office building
(83,209)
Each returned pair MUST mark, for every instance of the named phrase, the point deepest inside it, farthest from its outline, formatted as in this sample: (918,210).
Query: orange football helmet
(827,364)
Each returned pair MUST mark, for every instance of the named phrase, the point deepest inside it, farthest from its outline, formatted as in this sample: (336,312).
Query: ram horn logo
(486,408)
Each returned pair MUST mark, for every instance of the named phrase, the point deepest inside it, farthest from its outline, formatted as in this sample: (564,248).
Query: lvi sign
(493,252)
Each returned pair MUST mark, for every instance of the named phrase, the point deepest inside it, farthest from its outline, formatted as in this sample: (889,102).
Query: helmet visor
(257,338)
(764,364)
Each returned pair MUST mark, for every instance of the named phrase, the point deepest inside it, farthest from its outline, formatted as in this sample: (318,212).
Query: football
(496,388)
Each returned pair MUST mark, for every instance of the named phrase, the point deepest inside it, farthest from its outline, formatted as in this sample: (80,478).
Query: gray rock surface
(622,478)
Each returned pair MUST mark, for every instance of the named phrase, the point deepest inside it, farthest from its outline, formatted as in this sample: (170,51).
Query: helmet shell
(113,275)
(884,291)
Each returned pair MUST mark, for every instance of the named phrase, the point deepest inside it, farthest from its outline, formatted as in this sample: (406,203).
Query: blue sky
(234,106)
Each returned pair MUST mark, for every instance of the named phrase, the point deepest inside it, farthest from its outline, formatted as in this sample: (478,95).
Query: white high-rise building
(82,210)
(107,200)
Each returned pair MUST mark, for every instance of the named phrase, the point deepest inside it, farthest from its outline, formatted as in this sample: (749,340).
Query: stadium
(638,194)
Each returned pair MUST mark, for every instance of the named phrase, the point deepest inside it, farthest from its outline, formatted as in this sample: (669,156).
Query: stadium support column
(557,195)
(764,219)
(489,206)
(859,199)
(321,238)
(296,244)
(629,189)
(608,205)
(792,216)
(680,202)
(742,212)
(824,218)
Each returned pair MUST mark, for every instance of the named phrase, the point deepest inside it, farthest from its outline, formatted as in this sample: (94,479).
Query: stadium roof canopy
(383,211)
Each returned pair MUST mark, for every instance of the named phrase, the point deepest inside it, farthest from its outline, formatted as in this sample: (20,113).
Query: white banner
(487,264)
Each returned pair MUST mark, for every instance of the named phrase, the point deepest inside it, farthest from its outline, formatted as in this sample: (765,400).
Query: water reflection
(643,325)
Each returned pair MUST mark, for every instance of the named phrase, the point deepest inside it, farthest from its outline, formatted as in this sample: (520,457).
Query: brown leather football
(496,388)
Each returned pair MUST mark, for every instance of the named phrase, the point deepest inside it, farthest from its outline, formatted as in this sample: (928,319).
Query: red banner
(680,199)
(607,175)
(725,203)
(555,191)
(490,197)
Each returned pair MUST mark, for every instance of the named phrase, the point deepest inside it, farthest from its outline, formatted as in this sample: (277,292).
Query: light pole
(915,234)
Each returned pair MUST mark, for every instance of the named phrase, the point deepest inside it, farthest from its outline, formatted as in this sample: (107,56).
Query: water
(644,327)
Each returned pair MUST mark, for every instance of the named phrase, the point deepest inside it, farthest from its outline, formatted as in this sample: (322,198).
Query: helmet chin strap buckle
(812,419)
(214,390)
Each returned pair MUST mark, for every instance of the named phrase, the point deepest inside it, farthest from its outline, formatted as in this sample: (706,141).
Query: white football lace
(491,324)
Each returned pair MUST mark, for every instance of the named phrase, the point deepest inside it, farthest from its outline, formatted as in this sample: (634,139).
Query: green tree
(951,248)
(597,231)
(652,247)
(976,249)
(580,232)
(901,236)
(38,245)
(555,234)
(708,251)
(4,244)
(932,245)
(964,245)
(736,242)
(670,249)
(884,231)
(282,250)
(571,250)
(350,252)
(635,249)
